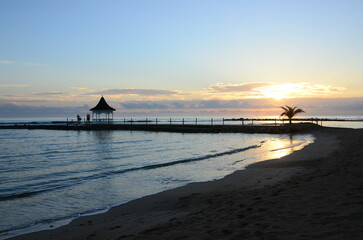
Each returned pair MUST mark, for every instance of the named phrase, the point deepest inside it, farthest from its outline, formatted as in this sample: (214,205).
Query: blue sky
(67,53)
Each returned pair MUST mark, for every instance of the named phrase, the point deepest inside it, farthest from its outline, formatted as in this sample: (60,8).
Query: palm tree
(291,112)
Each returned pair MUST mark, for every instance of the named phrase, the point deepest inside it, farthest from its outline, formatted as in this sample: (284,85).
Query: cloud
(329,106)
(246,87)
(177,105)
(220,104)
(135,91)
(79,88)
(321,89)
(274,90)
(257,90)
(6,62)
(251,107)
(14,110)
(15,85)
(18,101)
(50,93)
(196,104)
(144,105)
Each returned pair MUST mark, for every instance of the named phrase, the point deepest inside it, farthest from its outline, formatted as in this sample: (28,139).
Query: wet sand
(314,193)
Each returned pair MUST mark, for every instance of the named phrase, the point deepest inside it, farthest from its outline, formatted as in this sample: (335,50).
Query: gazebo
(102,108)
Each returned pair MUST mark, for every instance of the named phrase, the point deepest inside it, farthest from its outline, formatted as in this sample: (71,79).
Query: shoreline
(163,215)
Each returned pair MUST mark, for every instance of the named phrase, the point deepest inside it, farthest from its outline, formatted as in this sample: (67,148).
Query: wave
(21,195)
(55,184)
(50,221)
(234,151)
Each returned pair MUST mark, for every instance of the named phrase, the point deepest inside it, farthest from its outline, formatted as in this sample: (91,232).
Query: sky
(181,57)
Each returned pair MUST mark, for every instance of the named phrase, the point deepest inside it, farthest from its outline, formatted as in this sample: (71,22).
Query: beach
(314,193)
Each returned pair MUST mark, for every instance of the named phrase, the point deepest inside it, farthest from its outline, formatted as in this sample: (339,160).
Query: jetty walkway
(185,125)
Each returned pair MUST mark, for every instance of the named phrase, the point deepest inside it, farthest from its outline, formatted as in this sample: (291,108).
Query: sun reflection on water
(283,147)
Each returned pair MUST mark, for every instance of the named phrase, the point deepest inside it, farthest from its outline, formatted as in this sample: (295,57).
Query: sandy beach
(314,193)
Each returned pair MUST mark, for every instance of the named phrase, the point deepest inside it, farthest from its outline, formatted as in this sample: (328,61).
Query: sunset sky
(199,57)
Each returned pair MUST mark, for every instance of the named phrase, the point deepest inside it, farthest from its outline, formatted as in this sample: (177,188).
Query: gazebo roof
(102,106)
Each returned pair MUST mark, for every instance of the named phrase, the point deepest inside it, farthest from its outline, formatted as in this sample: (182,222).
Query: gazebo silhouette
(102,108)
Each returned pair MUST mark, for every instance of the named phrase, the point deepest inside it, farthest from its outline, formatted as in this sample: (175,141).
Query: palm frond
(284,108)
(299,110)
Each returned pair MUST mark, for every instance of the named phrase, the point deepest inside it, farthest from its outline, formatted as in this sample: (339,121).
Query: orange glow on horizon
(296,90)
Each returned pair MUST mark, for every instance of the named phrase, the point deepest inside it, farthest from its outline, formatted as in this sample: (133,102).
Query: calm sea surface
(49,177)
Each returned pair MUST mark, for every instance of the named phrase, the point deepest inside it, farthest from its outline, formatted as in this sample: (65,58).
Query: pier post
(211,121)
(131,121)
(170,121)
(223,121)
(156,121)
(146,121)
(196,121)
(124,121)
(183,121)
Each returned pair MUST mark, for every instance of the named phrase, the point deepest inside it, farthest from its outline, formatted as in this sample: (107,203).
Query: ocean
(49,177)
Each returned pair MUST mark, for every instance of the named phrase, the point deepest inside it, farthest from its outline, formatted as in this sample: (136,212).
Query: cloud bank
(259,98)
(247,107)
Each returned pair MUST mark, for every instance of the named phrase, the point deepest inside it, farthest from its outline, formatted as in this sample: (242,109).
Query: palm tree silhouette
(290,112)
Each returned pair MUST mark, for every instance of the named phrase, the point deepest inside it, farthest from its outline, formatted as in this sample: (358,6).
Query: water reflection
(285,146)
(103,137)
(103,148)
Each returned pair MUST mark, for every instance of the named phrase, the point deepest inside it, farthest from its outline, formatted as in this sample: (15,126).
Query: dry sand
(314,193)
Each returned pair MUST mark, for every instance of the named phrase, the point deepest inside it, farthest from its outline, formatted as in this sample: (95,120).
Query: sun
(276,95)
(278,91)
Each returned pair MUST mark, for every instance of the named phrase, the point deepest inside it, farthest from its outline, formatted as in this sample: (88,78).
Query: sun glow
(282,91)
(276,92)
(263,90)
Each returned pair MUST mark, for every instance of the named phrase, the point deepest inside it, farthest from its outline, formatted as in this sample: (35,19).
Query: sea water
(48,177)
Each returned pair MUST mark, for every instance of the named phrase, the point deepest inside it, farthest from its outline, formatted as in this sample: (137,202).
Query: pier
(224,121)
(187,125)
